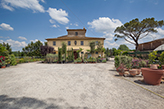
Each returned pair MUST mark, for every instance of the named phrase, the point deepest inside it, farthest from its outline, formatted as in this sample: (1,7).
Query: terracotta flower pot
(154,66)
(133,72)
(152,76)
(3,66)
(162,66)
(121,74)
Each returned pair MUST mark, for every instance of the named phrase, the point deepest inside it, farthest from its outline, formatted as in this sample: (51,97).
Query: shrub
(21,60)
(2,61)
(50,57)
(103,61)
(121,68)
(13,60)
(78,60)
(161,58)
(152,57)
(125,60)
(8,59)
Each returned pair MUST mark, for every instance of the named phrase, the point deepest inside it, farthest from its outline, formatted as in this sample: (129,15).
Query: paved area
(71,86)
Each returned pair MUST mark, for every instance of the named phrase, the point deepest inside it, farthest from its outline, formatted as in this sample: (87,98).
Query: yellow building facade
(75,39)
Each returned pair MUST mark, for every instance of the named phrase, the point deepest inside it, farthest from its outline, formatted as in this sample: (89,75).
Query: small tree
(134,30)
(64,50)
(59,54)
(92,47)
(46,49)
(123,47)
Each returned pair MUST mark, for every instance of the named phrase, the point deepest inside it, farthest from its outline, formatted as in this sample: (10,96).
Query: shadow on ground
(7,102)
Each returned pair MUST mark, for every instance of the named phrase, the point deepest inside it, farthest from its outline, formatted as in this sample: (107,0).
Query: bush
(161,58)
(13,60)
(2,61)
(103,61)
(51,57)
(125,60)
(152,57)
(78,60)
(91,59)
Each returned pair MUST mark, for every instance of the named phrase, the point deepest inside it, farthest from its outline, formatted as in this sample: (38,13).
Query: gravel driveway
(71,86)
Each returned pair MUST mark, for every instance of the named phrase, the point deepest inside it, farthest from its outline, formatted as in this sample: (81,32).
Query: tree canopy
(123,47)
(134,30)
(33,49)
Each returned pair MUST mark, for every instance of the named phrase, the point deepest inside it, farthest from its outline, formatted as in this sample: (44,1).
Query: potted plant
(8,60)
(2,62)
(152,76)
(120,69)
(161,59)
(152,57)
(135,68)
(103,61)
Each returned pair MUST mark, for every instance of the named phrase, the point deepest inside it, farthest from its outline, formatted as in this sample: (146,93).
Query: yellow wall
(85,47)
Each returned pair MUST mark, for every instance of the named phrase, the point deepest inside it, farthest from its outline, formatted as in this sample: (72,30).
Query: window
(54,43)
(96,42)
(69,42)
(82,43)
(96,52)
(76,33)
(82,52)
(75,42)
(54,52)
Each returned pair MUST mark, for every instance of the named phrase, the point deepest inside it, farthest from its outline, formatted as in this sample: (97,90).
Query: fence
(143,54)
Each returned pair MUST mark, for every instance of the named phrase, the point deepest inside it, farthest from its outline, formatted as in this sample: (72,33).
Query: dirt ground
(72,86)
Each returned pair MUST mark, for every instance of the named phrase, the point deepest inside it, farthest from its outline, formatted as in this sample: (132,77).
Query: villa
(75,39)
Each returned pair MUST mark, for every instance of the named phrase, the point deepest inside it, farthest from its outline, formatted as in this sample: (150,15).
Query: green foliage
(59,54)
(92,47)
(33,49)
(8,59)
(117,52)
(2,61)
(107,52)
(8,47)
(152,57)
(91,59)
(125,53)
(103,61)
(3,51)
(125,60)
(13,60)
(51,57)
(134,30)
(161,58)
(78,60)
(123,47)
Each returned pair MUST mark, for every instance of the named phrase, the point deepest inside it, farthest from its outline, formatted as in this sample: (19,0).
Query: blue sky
(30,20)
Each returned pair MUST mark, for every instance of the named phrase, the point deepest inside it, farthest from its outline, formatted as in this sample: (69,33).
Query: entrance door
(75,54)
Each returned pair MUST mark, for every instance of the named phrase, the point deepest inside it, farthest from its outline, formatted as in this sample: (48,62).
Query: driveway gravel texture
(71,86)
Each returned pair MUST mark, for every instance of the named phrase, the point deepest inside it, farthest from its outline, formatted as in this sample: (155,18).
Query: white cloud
(5,26)
(22,38)
(105,24)
(67,27)
(27,4)
(55,26)
(15,45)
(70,23)
(34,40)
(76,24)
(59,15)
(51,21)
(4,37)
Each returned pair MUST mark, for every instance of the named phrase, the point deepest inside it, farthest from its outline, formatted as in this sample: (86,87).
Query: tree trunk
(136,46)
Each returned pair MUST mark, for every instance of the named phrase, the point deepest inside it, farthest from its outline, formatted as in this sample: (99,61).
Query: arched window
(76,33)
(75,42)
